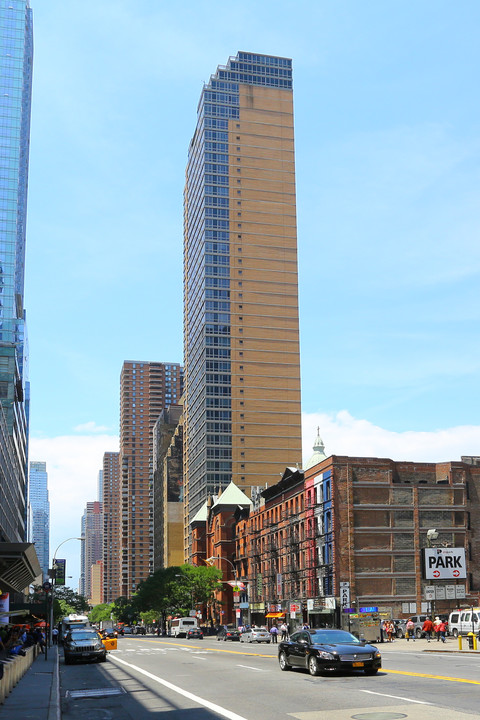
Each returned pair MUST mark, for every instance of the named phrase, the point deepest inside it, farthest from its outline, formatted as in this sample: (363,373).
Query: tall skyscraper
(241,334)
(92,545)
(112,517)
(146,388)
(16,58)
(40,513)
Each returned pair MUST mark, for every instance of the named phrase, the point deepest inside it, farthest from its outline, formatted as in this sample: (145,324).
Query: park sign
(444,563)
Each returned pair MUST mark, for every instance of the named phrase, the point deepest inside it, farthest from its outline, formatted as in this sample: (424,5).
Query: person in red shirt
(427,628)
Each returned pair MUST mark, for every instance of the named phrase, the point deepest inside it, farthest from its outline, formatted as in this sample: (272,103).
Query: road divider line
(397,697)
(200,701)
(432,677)
(249,667)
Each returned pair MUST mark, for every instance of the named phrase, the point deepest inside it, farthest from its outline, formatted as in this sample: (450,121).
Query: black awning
(19,566)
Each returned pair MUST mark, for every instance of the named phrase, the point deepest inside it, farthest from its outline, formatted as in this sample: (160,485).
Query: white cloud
(346,435)
(91,427)
(73,464)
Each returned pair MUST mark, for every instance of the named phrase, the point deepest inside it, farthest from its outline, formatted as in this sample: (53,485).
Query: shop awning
(275,615)
(19,566)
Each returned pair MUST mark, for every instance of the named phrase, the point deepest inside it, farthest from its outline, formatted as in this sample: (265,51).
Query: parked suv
(418,620)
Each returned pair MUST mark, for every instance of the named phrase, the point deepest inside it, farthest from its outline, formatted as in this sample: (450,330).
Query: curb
(54,704)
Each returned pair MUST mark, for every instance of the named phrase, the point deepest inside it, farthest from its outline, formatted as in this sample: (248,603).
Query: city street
(199,680)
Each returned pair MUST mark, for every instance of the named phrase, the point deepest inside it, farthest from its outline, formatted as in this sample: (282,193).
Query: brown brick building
(359,521)
(146,388)
(241,336)
(111,526)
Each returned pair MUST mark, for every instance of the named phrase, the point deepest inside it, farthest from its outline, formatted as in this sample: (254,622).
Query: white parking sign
(445,563)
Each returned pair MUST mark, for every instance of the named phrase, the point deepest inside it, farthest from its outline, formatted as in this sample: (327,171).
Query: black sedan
(325,650)
(227,633)
(195,633)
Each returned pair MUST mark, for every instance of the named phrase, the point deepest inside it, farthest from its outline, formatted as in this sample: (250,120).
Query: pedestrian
(390,631)
(284,631)
(442,630)
(436,627)
(274,634)
(55,636)
(427,628)
(410,628)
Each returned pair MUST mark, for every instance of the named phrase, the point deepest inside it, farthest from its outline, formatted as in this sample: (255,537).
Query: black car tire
(283,662)
(400,633)
(418,633)
(455,632)
(313,668)
(371,671)
(103,658)
(67,661)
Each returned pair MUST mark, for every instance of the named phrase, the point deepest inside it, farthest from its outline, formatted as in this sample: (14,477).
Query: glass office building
(16,58)
(241,348)
(40,513)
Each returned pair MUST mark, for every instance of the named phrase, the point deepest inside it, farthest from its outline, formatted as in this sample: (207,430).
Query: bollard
(474,642)
(470,637)
(459,642)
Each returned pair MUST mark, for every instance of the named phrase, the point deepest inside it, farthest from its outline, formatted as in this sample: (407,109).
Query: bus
(180,626)
(70,622)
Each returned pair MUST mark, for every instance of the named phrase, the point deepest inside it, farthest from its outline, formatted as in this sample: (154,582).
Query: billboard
(60,568)
(444,563)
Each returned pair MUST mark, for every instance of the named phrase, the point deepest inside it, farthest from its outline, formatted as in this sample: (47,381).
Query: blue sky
(387,160)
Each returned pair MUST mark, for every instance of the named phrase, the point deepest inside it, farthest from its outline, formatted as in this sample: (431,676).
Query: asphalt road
(205,680)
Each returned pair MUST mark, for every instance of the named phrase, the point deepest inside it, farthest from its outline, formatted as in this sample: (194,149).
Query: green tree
(66,601)
(125,610)
(173,590)
(100,612)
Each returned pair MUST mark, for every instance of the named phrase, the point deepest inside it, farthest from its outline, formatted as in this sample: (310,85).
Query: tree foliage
(101,612)
(66,601)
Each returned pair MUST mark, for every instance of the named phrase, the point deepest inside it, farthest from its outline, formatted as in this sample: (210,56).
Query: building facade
(16,60)
(92,545)
(40,514)
(146,389)
(112,522)
(168,488)
(358,526)
(241,337)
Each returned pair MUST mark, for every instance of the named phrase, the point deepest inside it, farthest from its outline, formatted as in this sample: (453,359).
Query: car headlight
(378,654)
(326,655)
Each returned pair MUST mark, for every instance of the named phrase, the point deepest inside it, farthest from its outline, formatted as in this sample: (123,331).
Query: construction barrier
(14,667)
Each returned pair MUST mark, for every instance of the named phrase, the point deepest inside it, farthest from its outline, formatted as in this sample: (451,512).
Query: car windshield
(85,635)
(331,637)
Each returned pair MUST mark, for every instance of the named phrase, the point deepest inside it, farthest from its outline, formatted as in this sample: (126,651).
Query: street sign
(294,607)
(430,592)
(60,571)
(345,594)
(450,592)
(444,563)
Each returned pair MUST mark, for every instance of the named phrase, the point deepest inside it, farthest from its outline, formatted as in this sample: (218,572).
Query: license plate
(86,654)
(358,664)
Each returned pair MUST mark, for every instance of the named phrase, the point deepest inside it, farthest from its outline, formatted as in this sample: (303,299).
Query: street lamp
(211,560)
(432,535)
(54,569)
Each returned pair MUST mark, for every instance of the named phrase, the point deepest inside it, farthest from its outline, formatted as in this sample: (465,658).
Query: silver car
(258,634)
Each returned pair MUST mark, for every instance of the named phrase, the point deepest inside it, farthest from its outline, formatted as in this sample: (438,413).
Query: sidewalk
(422,645)
(37,695)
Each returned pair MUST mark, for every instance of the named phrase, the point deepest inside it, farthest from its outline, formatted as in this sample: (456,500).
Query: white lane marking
(249,667)
(396,697)
(206,703)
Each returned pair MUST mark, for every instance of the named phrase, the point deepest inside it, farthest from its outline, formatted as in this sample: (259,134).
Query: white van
(461,622)
(180,626)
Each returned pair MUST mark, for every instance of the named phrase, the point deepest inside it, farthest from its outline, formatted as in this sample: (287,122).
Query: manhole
(96,692)
(379,716)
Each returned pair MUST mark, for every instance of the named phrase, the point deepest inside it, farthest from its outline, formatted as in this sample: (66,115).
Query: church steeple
(318,452)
